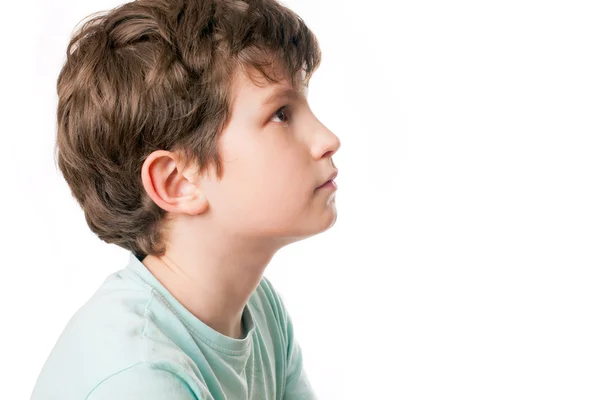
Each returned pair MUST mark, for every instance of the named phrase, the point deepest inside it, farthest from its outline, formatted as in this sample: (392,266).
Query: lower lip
(328,185)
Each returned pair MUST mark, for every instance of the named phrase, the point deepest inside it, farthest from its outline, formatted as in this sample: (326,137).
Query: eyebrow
(281,94)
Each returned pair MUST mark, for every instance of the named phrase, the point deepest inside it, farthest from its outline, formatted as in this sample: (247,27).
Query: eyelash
(285,109)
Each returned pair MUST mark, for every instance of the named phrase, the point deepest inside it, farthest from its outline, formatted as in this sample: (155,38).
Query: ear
(171,188)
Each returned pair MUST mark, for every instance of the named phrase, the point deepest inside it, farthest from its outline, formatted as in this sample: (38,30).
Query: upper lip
(333,175)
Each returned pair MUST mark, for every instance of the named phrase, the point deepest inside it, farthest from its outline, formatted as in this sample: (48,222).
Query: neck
(214,278)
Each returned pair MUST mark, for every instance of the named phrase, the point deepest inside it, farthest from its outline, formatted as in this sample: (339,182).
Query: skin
(222,233)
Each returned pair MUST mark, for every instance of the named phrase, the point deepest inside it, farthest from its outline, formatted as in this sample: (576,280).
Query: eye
(282,114)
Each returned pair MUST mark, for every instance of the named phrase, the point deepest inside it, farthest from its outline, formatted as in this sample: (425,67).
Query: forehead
(250,84)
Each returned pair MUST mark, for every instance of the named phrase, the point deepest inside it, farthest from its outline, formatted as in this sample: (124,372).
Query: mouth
(329,183)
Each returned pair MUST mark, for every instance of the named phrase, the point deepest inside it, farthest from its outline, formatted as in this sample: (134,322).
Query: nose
(326,143)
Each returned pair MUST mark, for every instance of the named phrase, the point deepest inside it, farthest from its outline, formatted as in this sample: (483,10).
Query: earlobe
(191,197)
(193,200)
(194,203)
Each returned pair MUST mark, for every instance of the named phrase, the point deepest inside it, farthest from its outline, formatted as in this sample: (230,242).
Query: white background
(465,260)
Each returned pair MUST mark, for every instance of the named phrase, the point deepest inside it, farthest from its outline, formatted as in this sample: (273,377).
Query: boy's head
(176,117)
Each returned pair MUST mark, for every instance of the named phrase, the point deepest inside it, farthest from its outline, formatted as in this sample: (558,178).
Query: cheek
(281,181)
(266,183)
(272,188)
(278,165)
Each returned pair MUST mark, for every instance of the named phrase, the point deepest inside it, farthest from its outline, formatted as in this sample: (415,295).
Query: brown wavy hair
(157,74)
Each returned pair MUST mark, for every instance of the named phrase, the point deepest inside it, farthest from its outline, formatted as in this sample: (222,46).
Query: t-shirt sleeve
(297,385)
(144,381)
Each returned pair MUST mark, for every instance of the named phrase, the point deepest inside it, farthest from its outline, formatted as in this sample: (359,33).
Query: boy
(185,135)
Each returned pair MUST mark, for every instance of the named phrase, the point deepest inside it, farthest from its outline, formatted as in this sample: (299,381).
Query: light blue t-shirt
(133,340)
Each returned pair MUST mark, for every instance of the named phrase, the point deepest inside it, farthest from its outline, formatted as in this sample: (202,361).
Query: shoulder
(110,323)
(109,336)
(271,300)
(149,381)
(270,306)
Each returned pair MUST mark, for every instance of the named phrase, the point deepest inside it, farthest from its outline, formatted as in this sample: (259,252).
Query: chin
(307,231)
(333,220)
(290,231)
(325,221)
